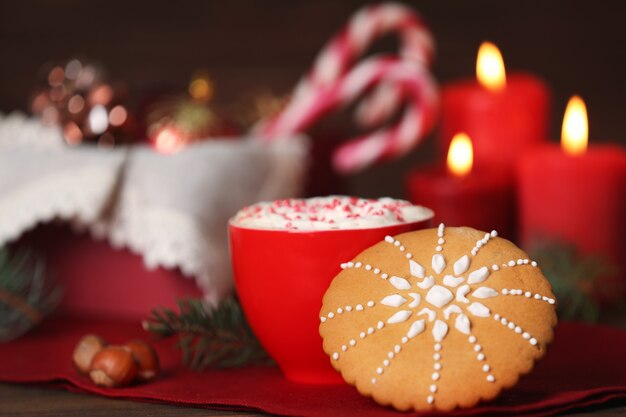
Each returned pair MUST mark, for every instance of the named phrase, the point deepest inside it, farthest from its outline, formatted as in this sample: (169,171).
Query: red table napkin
(585,366)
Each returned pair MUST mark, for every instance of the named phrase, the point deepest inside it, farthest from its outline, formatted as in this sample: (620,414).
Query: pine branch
(578,280)
(218,337)
(26,292)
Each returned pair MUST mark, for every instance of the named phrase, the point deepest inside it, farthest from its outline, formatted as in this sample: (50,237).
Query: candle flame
(490,67)
(575,132)
(460,155)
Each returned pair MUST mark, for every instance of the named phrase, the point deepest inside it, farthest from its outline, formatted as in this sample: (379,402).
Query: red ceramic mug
(281,277)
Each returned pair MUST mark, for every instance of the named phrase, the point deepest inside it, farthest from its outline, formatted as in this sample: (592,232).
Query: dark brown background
(577,46)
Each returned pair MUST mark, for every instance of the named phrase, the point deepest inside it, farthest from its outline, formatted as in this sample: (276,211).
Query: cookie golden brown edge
(437,319)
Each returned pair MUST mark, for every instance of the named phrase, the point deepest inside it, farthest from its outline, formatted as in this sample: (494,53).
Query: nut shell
(146,358)
(84,352)
(113,366)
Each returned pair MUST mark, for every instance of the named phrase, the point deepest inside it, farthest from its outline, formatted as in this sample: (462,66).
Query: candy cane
(316,94)
(418,118)
(362,30)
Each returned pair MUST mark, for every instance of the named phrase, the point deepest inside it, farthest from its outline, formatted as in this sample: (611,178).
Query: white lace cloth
(173,210)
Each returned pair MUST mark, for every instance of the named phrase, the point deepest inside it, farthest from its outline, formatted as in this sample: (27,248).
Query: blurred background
(576,46)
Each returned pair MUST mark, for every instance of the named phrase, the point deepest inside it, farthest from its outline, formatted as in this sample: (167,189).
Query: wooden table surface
(27,400)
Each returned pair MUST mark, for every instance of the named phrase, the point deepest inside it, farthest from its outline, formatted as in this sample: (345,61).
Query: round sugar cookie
(437,319)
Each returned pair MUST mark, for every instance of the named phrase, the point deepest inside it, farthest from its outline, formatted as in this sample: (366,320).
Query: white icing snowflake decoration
(439,303)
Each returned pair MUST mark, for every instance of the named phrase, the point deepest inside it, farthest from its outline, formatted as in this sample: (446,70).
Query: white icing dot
(362,335)
(533,341)
(380,325)
(477,348)
(511,263)
(437,356)
(358,265)
(331,315)
(376,271)
(409,256)
(344,347)
(505,291)
(335,355)
(370,330)
(495,267)
(474,251)
(435,376)
(486,368)
(433,388)
(405,339)
(352,342)
(370,304)
(479,244)
(402,248)
(441,241)
(368,267)
(526,335)
(496,316)
(526,261)
(430,399)
(359,307)
(344,266)
(322,319)
(518,330)
(551,301)
(438,248)
(386,362)
(533,263)
(397,348)
(339,310)
(348,308)
(472,339)
(350,264)
(504,321)
(491,378)
(494,233)
(437,366)
(373,380)
(537,297)
(384,276)
(520,261)
(388,239)
(438,347)
(397,243)
(390,355)
(379,371)
(480,356)
(511,325)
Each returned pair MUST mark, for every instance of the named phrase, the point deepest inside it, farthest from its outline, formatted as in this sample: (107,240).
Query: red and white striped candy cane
(333,84)
(365,26)
(416,85)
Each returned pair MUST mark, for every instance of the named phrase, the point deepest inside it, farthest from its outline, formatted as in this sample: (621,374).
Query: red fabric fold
(585,366)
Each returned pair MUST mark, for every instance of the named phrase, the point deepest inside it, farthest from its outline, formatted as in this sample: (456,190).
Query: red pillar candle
(463,196)
(574,194)
(503,114)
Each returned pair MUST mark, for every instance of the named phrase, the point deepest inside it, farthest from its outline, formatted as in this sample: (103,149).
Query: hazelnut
(146,359)
(113,366)
(85,350)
